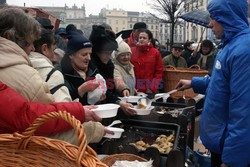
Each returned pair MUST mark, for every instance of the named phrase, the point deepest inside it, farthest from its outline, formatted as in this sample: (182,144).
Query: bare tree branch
(171,9)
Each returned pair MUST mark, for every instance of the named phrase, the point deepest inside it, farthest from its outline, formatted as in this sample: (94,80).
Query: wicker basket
(111,159)
(173,75)
(27,150)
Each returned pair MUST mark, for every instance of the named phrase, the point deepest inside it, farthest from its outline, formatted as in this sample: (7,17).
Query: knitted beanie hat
(77,42)
(123,47)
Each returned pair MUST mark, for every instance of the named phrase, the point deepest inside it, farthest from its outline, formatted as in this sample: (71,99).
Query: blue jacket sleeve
(199,84)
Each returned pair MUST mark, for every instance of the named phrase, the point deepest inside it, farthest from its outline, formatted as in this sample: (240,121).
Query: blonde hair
(18,26)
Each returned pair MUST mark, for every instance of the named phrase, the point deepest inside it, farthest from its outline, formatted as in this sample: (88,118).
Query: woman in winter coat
(208,54)
(147,63)
(77,69)
(103,46)
(18,30)
(124,71)
(42,62)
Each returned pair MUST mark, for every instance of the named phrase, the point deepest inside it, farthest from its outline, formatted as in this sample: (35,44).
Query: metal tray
(138,130)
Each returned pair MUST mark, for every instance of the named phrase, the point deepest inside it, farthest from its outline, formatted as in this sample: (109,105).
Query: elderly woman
(77,69)
(104,44)
(18,31)
(147,63)
(124,74)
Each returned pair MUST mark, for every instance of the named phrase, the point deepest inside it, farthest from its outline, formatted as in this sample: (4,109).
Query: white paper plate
(117,133)
(131,99)
(106,110)
(143,111)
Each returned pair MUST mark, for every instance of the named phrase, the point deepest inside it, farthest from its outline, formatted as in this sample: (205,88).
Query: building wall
(69,15)
(93,20)
(194,32)
(117,19)
(165,31)
(152,23)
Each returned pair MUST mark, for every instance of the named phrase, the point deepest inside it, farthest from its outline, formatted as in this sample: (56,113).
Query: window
(116,21)
(152,27)
(131,26)
(116,29)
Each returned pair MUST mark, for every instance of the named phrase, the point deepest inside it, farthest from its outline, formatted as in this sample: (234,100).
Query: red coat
(17,113)
(148,67)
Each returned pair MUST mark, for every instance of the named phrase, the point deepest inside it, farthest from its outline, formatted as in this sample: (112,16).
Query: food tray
(136,130)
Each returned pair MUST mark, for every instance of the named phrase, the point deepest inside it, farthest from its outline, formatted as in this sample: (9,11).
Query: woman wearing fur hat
(124,74)
(103,46)
(147,63)
(208,54)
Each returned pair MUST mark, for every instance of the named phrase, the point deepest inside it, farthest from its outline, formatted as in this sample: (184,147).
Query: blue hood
(232,14)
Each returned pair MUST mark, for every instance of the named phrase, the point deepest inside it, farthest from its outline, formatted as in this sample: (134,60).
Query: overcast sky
(91,6)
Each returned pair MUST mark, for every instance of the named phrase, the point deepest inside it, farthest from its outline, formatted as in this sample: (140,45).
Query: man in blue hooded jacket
(225,122)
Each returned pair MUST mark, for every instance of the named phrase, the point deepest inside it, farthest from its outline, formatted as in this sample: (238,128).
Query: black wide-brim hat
(102,40)
(45,22)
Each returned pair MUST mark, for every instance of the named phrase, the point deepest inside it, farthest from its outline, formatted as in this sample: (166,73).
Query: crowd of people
(43,69)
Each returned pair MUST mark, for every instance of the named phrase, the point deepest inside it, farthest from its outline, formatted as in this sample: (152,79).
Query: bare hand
(194,54)
(127,108)
(223,165)
(125,93)
(183,84)
(87,87)
(106,131)
(90,107)
(90,115)
(103,97)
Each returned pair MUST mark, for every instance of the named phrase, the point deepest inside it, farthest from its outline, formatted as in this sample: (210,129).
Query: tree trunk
(172,34)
